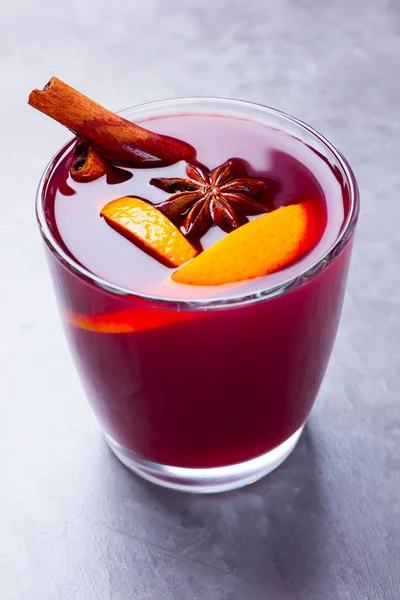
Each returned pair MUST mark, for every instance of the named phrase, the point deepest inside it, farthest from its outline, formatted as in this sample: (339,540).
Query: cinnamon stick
(87,163)
(116,138)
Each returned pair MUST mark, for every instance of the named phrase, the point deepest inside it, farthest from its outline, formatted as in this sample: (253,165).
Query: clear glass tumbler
(172,410)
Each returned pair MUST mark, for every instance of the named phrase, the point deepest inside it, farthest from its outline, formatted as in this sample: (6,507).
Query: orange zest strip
(145,226)
(258,248)
(137,319)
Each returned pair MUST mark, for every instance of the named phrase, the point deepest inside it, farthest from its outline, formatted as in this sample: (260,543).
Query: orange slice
(145,226)
(262,246)
(128,321)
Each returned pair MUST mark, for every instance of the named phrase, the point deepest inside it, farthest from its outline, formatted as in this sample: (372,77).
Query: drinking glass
(205,395)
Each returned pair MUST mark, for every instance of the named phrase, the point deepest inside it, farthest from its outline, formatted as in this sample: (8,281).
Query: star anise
(209,198)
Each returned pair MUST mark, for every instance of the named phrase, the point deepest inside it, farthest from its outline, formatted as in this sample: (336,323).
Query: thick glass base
(210,480)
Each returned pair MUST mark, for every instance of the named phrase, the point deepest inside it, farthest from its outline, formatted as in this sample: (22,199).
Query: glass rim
(269,292)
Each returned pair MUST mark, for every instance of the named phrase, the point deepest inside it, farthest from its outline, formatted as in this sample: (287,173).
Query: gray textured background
(75,524)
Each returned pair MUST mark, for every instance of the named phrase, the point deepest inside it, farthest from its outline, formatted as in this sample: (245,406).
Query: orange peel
(128,321)
(258,248)
(145,226)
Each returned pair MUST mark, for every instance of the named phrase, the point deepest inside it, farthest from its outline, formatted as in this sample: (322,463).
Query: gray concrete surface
(74,523)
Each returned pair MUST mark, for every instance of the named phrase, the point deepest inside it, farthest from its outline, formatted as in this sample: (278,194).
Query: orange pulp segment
(128,321)
(145,226)
(258,248)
